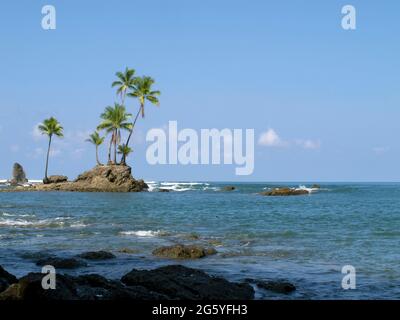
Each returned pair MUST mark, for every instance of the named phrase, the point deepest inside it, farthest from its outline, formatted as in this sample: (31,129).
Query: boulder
(30,288)
(61,263)
(163,190)
(179,282)
(55,179)
(6,279)
(228,188)
(277,286)
(96,255)
(284,192)
(18,175)
(316,186)
(180,251)
(87,287)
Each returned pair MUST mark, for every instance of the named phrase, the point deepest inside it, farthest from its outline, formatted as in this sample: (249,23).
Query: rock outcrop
(18,175)
(179,282)
(61,263)
(284,192)
(113,178)
(183,252)
(165,283)
(55,179)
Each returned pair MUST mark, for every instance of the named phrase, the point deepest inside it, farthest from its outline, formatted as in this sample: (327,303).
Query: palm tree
(126,81)
(96,140)
(142,90)
(50,127)
(115,119)
(125,151)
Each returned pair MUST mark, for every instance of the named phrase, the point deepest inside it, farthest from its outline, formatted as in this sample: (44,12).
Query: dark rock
(61,263)
(128,251)
(229,188)
(18,175)
(179,282)
(183,252)
(316,186)
(278,286)
(6,279)
(87,287)
(284,192)
(163,190)
(55,179)
(96,255)
(30,288)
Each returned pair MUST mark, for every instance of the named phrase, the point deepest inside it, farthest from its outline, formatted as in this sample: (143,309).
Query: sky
(324,102)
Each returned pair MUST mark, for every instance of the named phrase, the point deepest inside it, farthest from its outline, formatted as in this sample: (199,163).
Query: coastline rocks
(6,279)
(228,188)
(278,286)
(61,263)
(96,255)
(18,175)
(55,179)
(110,178)
(284,192)
(316,186)
(179,282)
(183,252)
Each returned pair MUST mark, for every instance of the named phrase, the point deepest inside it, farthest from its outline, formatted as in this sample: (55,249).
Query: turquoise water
(303,239)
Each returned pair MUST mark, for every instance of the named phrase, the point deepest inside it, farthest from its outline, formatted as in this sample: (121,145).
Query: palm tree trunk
(115,146)
(47,159)
(109,148)
(97,156)
(131,131)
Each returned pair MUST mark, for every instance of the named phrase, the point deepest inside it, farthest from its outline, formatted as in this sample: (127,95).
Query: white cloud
(270,138)
(308,144)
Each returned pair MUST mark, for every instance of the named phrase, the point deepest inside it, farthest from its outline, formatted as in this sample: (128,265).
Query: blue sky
(325,100)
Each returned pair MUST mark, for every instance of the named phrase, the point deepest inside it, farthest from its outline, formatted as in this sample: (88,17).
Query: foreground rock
(113,178)
(96,255)
(183,252)
(6,279)
(178,282)
(284,192)
(18,175)
(171,283)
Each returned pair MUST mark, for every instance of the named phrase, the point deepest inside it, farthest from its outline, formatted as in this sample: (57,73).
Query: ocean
(306,240)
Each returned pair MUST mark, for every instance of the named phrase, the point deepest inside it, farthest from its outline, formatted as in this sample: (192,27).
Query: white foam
(141,233)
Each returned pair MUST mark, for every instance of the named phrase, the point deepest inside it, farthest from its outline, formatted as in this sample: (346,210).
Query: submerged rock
(61,263)
(277,286)
(163,190)
(110,178)
(96,255)
(18,175)
(179,282)
(6,279)
(183,252)
(316,186)
(284,192)
(228,188)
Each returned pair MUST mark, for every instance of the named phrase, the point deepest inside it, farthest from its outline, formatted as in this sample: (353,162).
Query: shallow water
(303,239)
